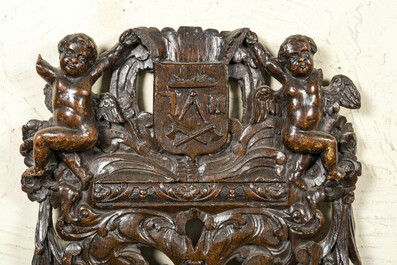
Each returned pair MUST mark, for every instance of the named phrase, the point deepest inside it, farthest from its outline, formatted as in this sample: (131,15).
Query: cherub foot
(295,178)
(32,172)
(336,174)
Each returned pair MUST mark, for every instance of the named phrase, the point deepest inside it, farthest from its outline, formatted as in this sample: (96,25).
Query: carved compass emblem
(191,107)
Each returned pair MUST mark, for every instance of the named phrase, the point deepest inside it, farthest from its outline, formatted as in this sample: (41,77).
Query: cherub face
(74,60)
(299,58)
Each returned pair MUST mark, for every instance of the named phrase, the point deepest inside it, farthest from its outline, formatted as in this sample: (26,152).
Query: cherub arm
(127,40)
(45,70)
(265,59)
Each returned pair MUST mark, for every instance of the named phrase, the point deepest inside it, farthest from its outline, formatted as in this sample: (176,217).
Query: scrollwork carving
(123,179)
(188,192)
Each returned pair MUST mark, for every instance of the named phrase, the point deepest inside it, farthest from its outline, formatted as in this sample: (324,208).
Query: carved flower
(101,191)
(188,191)
(276,190)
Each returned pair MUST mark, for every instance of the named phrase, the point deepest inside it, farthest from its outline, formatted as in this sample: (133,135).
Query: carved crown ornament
(125,179)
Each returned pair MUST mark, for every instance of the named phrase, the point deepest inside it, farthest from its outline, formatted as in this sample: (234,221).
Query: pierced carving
(124,179)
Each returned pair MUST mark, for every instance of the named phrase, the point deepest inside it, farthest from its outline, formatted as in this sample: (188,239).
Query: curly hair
(82,39)
(292,40)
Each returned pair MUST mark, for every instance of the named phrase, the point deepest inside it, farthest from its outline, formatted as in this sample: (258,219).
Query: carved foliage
(149,175)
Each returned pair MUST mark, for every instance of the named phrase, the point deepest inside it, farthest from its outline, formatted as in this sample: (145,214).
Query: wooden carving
(124,179)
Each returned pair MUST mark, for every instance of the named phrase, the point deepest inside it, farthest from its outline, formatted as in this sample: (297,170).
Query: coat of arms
(126,179)
(191,88)
(191,101)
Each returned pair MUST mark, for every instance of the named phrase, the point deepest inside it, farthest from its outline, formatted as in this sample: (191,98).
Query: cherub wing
(48,97)
(264,104)
(341,92)
(349,97)
(108,109)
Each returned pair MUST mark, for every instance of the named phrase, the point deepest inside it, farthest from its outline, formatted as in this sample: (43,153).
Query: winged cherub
(74,126)
(294,69)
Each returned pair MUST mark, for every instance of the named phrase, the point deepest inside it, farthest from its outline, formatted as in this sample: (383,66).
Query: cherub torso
(304,101)
(71,102)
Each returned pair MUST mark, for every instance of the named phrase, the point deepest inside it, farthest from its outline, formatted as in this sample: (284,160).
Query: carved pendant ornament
(124,179)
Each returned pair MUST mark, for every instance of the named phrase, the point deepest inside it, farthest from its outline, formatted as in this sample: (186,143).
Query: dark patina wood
(125,180)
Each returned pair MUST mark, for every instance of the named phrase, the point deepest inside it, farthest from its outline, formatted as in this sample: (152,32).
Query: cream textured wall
(355,38)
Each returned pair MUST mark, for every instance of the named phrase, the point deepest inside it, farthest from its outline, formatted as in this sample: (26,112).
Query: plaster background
(355,38)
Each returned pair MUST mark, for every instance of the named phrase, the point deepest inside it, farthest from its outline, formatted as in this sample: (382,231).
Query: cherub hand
(251,38)
(128,38)
(39,58)
(242,55)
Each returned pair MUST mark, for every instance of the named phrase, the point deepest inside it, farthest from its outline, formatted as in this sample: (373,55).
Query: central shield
(191,107)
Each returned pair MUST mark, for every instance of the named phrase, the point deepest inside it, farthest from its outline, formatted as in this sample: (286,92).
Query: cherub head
(296,54)
(77,53)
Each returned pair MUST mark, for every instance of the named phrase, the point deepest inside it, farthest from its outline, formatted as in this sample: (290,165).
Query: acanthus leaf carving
(123,178)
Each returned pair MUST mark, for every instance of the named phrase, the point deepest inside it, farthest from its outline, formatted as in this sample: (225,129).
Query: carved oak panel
(124,179)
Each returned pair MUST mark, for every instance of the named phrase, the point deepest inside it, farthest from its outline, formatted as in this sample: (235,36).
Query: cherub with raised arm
(294,69)
(74,126)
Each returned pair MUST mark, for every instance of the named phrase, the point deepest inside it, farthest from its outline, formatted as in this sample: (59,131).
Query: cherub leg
(329,157)
(41,154)
(302,163)
(56,138)
(41,150)
(314,142)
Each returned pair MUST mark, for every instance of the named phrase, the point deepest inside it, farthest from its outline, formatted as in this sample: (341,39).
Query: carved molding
(253,186)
